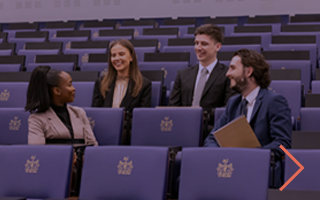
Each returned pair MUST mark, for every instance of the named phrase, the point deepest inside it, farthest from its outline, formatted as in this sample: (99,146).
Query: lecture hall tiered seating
(164,160)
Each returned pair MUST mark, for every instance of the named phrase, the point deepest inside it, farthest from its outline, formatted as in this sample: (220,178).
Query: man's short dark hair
(250,58)
(211,30)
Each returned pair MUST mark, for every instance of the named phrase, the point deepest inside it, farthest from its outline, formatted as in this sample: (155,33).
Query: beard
(241,84)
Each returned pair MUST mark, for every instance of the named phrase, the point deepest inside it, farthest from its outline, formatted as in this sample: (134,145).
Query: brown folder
(237,133)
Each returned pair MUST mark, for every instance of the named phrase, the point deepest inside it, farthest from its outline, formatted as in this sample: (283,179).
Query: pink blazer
(48,125)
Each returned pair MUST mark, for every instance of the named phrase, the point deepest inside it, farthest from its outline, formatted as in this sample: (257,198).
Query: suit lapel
(192,81)
(126,101)
(109,95)
(57,124)
(213,76)
(258,103)
(75,123)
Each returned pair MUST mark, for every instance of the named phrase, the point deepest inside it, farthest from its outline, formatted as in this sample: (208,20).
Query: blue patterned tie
(244,110)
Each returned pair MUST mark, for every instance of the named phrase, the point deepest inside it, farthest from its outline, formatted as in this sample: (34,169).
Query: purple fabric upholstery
(170,68)
(67,40)
(232,173)
(155,93)
(163,39)
(32,171)
(309,178)
(291,90)
(128,172)
(5,52)
(140,51)
(190,49)
(20,42)
(84,53)
(315,85)
(14,126)
(31,54)
(10,67)
(303,65)
(107,124)
(166,127)
(84,93)
(309,119)
(92,66)
(58,66)
(13,94)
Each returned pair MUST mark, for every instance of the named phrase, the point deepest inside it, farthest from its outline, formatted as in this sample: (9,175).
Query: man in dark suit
(267,112)
(204,84)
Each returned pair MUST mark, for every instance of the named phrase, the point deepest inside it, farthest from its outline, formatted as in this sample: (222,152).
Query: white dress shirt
(251,98)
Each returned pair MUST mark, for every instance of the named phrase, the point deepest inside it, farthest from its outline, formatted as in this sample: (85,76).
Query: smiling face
(236,74)
(121,59)
(66,91)
(206,49)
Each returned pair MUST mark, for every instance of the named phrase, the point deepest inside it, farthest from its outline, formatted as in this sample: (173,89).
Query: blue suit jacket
(270,120)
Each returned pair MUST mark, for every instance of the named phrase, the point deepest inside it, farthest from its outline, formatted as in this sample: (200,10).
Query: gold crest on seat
(15,124)
(85,58)
(125,167)
(95,34)
(165,72)
(4,96)
(166,124)
(68,45)
(92,122)
(225,170)
(32,165)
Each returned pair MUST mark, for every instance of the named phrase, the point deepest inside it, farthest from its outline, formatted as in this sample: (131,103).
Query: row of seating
(150,126)
(120,172)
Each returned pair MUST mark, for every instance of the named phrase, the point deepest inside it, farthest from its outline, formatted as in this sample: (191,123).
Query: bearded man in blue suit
(267,112)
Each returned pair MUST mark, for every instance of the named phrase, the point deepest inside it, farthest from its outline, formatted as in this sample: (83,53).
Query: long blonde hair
(134,72)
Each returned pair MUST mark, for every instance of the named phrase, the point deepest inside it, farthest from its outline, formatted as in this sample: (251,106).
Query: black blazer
(216,91)
(143,99)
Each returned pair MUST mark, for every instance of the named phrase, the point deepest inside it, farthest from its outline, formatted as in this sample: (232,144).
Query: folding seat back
(35,171)
(312,100)
(309,178)
(14,28)
(114,34)
(228,23)
(268,19)
(138,26)
(285,74)
(156,93)
(301,28)
(61,62)
(83,49)
(96,62)
(218,112)
(291,66)
(96,26)
(31,49)
(225,57)
(22,37)
(309,119)
(128,172)
(167,127)
(66,37)
(15,76)
(315,85)
(305,140)
(182,24)
(239,42)
(13,94)
(107,124)
(291,90)
(305,18)
(143,46)
(16,62)
(14,126)
(84,76)
(84,93)
(182,45)
(3,37)
(162,34)
(53,27)
(7,49)
(245,172)
(170,69)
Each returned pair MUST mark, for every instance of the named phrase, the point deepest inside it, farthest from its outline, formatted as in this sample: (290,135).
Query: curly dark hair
(250,58)
(211,30)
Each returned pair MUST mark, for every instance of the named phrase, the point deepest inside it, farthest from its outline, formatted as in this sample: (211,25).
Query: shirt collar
(253,95)
(209,67)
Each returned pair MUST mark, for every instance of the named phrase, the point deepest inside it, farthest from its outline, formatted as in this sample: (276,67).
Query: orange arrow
(295,174)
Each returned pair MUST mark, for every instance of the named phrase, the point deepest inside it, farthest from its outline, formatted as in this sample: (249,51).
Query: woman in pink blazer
(51,119)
